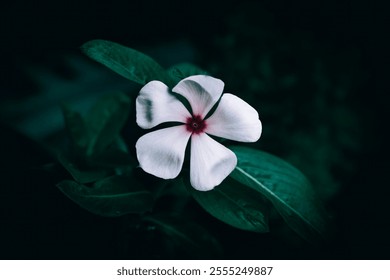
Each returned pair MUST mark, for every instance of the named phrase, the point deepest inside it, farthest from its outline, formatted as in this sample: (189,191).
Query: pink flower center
(195,124)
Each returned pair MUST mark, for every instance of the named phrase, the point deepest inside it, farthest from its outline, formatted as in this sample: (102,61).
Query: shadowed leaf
(105,120)
(110,197)
(77,129)
(235,204)
(125,61)
(81,173)
(285,187)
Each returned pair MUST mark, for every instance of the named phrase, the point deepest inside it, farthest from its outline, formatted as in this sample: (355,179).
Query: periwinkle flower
(161,152)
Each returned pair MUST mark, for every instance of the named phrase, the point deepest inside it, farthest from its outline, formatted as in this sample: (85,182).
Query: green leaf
(112,197)
(101,127)
(286,188)
(77,129)
(125,61)
(115,155)
(105,121)
(235,204)
(79,171)
(183,70)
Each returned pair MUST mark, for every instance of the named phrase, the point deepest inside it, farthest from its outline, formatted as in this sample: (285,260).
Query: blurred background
(315,71)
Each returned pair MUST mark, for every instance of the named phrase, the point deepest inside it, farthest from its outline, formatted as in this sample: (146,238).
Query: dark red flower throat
(195,124)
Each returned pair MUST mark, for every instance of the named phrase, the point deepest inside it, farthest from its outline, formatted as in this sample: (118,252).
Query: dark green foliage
(77,129)
(97,146)
(136,66)
(285,187)
(98,151)
(129,63)
(105,121)
(80,171)
(111,197)
(95,132)
(235,204)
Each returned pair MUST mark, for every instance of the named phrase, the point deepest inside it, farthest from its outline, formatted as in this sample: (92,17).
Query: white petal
(210,163)
(202,92)
(234,119)
(155,105)
(161,152)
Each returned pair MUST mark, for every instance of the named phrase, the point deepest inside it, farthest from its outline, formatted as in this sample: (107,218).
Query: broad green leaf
(183,70)
(79,171)
(125,61)
(286,188)
(77,129)
(105,120)
(114,156)
(235,204)
(112,197)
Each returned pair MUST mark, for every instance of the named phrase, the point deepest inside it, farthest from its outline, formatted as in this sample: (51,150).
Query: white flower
(161,152)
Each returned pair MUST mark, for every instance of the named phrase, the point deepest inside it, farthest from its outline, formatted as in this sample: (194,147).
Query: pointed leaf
(80,172)
(286,188)
(125,61)
(77,129)
(114,156)
(111,197)
(235,204)
(105,120)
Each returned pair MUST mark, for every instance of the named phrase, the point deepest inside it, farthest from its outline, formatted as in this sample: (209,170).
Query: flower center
(195,124)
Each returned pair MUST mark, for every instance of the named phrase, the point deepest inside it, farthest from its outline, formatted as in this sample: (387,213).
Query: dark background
(349,38)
